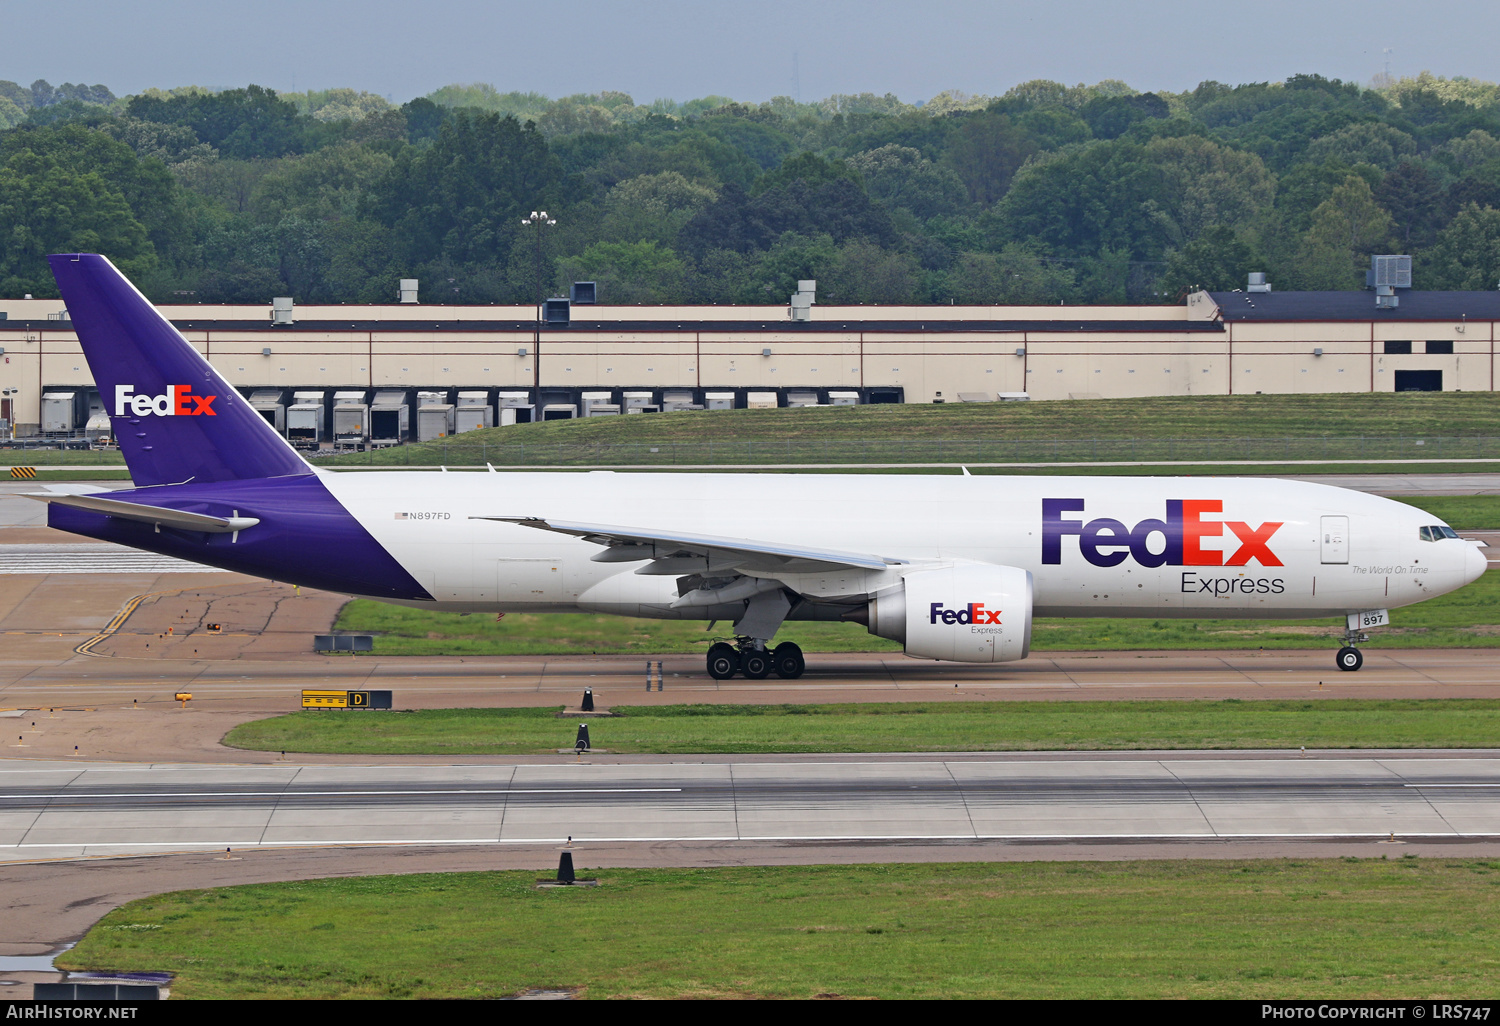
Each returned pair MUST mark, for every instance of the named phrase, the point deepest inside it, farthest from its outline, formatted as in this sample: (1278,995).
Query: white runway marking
(336,794)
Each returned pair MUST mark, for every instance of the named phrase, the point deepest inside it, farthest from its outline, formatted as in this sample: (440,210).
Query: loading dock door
(1419,381)
(1335,539)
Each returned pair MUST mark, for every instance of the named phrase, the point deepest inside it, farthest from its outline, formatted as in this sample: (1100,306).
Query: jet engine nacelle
(970,613)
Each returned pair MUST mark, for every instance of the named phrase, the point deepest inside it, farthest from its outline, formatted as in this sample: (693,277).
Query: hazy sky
(751,51)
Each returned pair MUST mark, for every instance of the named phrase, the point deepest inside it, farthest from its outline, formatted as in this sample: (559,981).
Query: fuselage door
(1335,539)
(530,580)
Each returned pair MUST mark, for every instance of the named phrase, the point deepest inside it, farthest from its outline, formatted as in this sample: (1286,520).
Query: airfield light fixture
(537,221)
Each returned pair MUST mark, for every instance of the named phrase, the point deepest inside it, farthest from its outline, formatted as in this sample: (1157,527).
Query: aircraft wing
(674,552)
(160,516)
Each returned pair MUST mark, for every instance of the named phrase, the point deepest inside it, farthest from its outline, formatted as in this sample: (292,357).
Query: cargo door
(1335,540)
(532,580)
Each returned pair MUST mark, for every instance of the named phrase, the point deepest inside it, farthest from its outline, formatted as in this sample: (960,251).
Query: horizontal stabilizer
(160,516)
(741,552)
(72,488)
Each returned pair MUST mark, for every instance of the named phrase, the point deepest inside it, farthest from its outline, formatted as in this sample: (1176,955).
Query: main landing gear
(748,656)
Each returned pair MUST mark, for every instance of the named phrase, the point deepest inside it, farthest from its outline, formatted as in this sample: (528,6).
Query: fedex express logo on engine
(177,401)
(1179,536)
(972,613)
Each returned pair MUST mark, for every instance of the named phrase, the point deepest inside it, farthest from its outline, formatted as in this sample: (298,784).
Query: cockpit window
(1437,532)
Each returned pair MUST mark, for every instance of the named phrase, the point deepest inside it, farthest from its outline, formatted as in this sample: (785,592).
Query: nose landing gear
(1349,657)
(749,656)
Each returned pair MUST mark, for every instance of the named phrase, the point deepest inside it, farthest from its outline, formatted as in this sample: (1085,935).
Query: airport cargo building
(472,366)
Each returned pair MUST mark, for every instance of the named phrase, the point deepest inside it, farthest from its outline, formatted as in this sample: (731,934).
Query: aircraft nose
(1475,563)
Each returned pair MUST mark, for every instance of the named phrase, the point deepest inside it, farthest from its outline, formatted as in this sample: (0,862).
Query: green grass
(81,474)
(1268,427)
(894,727)
(1366,928)
(1461,512)
(61,458)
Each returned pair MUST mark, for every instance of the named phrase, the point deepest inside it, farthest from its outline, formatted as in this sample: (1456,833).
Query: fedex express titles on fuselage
(1286,547)
(1177,539)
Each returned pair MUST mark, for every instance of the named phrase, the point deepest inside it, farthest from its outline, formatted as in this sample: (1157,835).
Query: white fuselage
(1334,552)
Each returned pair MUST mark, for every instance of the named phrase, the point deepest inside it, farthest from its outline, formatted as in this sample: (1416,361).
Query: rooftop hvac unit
(1394,271)
(584,293)
(556,312)
(803,299)
(406,292)
(1258,282)
(281,310)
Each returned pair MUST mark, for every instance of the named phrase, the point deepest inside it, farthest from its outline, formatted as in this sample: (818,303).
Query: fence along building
(1213,344)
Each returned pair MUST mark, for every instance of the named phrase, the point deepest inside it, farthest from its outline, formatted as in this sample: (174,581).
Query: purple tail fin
(175,418)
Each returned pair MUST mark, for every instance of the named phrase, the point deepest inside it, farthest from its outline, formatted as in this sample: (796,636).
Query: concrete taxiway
(59,810)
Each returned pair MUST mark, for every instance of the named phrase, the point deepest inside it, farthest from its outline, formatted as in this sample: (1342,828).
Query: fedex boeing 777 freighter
(953,567)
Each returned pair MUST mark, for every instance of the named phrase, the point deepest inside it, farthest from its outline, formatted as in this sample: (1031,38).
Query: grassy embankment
(1469,618)
(895,727)
(1368,928)
(1271,428)
(1198,429)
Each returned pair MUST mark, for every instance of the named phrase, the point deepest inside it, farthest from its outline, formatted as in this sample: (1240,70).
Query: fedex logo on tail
(177,401)
(974,612)
(1107,542)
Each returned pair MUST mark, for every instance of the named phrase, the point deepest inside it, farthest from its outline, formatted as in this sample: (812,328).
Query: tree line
(1046,194)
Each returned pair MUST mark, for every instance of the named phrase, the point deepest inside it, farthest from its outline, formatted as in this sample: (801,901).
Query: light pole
(536,222)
